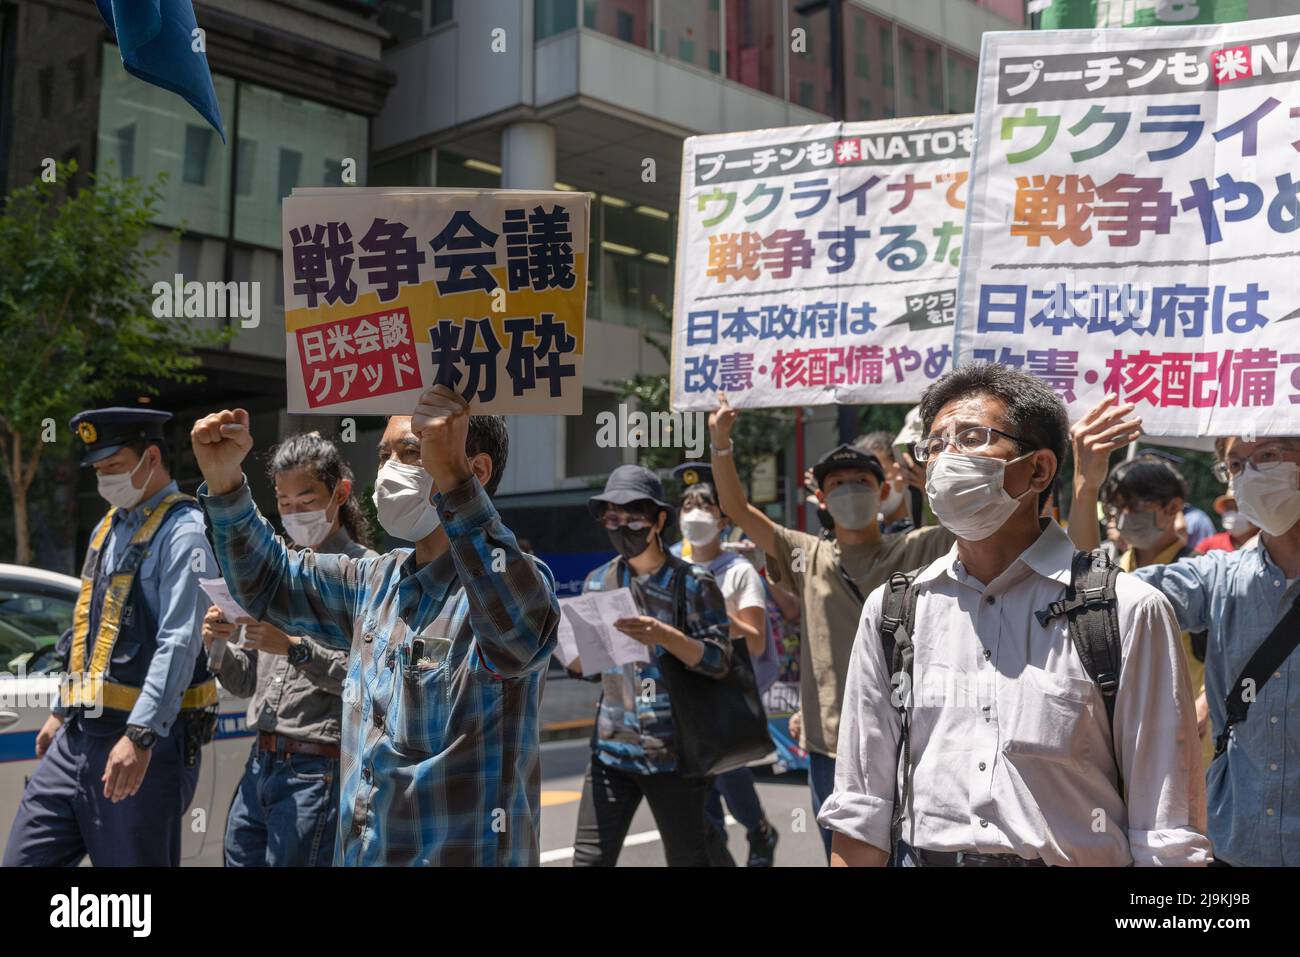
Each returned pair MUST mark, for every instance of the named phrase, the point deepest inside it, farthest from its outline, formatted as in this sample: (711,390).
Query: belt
(266,741)
(118,697)
(973,859)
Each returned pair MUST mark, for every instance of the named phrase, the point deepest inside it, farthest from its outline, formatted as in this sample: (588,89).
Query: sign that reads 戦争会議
(389,292)
(818,264)
(1134,204)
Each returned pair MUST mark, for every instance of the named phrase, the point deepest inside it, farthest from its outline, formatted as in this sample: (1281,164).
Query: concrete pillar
(528,156)
(528,162)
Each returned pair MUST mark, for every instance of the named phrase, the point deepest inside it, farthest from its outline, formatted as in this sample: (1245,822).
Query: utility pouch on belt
(200,727)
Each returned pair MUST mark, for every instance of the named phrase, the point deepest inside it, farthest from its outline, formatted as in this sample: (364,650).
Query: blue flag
(156,40)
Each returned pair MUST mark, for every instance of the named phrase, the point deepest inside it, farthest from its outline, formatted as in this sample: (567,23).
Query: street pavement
(785,799)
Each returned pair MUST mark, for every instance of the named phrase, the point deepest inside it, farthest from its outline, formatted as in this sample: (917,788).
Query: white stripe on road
(632,840)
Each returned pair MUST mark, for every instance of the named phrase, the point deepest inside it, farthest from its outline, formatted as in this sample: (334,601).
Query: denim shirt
(1253,789)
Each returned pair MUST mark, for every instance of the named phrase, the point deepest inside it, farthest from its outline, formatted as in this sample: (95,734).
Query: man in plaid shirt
(449,641)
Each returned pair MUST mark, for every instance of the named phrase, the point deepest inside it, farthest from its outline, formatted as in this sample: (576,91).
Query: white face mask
(307,529)
(118,489)
(1270,499)
(853,506)
(699,527)
(402,500)
(1234,522)
(967,496)
(889,504)
(1140,529)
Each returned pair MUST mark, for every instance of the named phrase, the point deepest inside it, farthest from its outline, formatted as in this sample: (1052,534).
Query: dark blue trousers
(65,816)
(285,812)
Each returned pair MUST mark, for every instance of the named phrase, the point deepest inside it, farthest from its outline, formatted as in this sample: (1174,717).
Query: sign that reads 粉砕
(391,291)
(818,264)
(1134,204)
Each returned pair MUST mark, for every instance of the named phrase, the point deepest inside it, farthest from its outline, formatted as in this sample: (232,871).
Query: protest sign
(818,264)
(1065,14)
(590,619)
(1132,221)
(391,291)
(218,593)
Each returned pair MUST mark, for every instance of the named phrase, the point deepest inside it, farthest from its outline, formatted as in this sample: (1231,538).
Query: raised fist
(220,441)
(441,423)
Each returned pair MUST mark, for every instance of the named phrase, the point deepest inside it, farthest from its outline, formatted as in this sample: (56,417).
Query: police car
(36,607)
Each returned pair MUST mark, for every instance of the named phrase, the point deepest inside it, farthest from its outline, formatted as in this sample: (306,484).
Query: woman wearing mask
(746,601)
(285,810)
(633,752)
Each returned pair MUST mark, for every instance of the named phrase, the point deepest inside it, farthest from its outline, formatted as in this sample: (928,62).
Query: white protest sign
(1134,204)
(818,264)
(598,643)
(219,593)
(391,291)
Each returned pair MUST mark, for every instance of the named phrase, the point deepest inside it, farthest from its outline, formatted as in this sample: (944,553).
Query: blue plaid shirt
(635,732)
(440,763)
(1253,788)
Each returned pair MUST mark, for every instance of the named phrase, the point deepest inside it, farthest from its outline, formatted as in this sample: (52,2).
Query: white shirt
(741,587)
(1010,744)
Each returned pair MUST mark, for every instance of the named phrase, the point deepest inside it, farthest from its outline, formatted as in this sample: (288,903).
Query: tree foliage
(75,315)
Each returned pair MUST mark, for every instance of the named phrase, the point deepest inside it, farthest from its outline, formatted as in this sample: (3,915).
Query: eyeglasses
(1261,460)
(614,520)
(977,438)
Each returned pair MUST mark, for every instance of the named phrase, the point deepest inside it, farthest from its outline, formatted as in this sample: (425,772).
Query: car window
(31,621)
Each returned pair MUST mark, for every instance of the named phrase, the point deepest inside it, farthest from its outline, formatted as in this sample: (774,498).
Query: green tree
(75,311)
(758,432)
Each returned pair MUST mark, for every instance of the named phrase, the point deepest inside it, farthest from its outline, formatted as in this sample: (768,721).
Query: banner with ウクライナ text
(391,291)
(1134,204)
(818,264)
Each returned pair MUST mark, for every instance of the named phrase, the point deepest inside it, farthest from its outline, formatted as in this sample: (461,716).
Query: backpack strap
(1091,609)
(896,621)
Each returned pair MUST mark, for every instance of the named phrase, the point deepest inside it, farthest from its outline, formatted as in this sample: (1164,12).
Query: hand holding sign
(721,421)
(441,423)
(1099,433)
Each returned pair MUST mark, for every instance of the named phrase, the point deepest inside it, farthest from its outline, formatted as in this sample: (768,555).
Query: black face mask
(628,543)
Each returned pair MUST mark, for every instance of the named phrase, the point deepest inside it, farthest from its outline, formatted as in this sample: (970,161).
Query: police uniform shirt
(178,557)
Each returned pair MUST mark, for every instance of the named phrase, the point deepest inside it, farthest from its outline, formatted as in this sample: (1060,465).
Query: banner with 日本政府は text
(1134,204)
(818,264)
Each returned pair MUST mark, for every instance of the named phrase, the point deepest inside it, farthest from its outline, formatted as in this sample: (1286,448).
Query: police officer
(120,752)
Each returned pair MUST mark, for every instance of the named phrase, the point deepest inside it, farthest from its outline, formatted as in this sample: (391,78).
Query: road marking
(565,744)
(632,840)
(552,798)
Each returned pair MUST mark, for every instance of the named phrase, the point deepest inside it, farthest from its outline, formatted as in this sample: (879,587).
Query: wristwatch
(300,653)
(141,736)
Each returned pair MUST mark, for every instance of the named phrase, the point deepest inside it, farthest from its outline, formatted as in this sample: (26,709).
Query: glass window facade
(868,65)
(626,20)
(753,33)
(1013,10)
(690,31)
(291,142)
(553,16)
(963,73)
(404,19)
(921,66)
(145,130)
(810,68)
(636,263)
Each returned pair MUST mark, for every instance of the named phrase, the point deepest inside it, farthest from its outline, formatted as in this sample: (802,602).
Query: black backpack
(1091,608)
